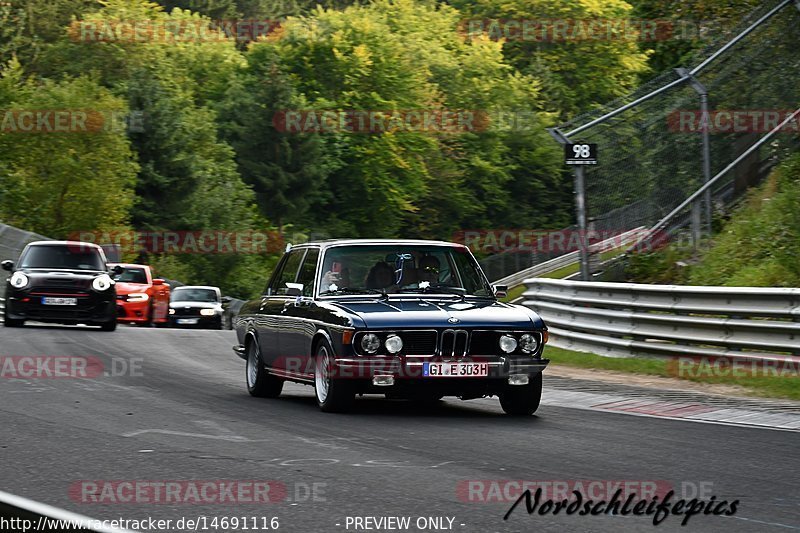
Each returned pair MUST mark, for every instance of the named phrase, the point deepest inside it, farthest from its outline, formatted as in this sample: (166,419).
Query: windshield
(62,256)
(193,294)
(415,269)
(132,275)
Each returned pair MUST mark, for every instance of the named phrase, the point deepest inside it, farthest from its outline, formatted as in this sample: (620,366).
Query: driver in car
(428,270)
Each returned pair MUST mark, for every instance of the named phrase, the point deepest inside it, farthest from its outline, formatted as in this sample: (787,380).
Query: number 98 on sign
(580,154)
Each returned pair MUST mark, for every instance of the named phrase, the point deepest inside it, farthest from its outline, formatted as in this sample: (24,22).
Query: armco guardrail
(618,241)
(628,319)
(21,514)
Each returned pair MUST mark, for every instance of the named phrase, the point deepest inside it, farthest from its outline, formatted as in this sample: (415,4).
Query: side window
(288,273)
(308,272)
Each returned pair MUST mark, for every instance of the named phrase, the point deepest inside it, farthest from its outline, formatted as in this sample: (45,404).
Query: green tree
(59,182)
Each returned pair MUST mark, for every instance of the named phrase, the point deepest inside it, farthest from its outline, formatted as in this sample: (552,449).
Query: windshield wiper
(354,290)
(448,289)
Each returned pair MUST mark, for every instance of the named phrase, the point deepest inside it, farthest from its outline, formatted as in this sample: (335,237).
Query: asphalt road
(180,411)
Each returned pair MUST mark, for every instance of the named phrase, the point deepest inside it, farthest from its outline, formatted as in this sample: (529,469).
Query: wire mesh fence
(651,155)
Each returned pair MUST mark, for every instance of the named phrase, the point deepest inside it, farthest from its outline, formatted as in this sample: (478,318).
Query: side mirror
(500,291)
(158,281)
(117,270)
(226,299)
(294,289)
(8,264)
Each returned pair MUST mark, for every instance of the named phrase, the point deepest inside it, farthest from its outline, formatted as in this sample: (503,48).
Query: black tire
(12,323)
(111,325)
(522,400)
(332,395)
(260,383)
(149,322)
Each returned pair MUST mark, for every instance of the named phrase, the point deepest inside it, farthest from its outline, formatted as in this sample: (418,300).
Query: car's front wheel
(522,400)
(260,382)
(12,323)
(111,325)
(333,395)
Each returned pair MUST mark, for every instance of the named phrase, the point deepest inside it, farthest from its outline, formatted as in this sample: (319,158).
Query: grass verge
(768,386)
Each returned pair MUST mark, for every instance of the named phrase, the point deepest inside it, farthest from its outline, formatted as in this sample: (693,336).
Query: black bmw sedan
(66,282)
(408,319)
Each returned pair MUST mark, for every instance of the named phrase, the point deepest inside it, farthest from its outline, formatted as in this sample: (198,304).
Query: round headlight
(508,343)
(528,343)
(102,283)
(171,311)
(19,280)
(394,344)
(370,343)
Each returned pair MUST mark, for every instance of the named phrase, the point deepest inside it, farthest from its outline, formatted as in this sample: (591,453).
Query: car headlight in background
(394,344)
(508,343)
(171,311)
(208,312)
(102,283)
(138,297)
(19,280)
(528,343)
(370,343)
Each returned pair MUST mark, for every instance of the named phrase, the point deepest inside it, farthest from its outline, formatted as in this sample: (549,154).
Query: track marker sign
(580,154)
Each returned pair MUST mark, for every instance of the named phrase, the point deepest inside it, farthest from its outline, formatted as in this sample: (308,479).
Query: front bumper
(412,368)
(408,379)
(133,311)
(93,308)
(198,322)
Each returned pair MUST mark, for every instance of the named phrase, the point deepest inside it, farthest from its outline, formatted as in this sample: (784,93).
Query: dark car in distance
(195,306)
(66,282)
(405,318)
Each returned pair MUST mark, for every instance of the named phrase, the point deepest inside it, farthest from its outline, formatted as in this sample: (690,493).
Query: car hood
(441,313)
(127,288)
(196,305)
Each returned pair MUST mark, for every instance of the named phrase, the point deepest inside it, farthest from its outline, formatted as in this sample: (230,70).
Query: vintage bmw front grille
(419,342)
(454,343)
(484,343)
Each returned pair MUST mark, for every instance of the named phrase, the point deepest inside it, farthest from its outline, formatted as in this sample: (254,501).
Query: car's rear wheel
(333,395)
(522,400)
(111,325)
(260,382)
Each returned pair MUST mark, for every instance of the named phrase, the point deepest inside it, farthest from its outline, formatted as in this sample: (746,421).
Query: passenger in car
(428,269)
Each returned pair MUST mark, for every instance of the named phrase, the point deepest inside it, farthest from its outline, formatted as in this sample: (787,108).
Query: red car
(141,299)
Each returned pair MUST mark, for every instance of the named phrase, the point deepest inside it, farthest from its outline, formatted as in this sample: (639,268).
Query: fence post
(580,205)
(703,92)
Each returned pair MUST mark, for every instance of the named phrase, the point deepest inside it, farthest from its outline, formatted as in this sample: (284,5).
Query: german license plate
(455,370)
(50,300)
(187,321)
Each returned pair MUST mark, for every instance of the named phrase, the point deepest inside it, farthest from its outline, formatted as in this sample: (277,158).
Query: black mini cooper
(67,282)
(409,319)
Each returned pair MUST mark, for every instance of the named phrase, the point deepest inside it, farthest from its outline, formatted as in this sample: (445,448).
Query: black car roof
(328,243)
